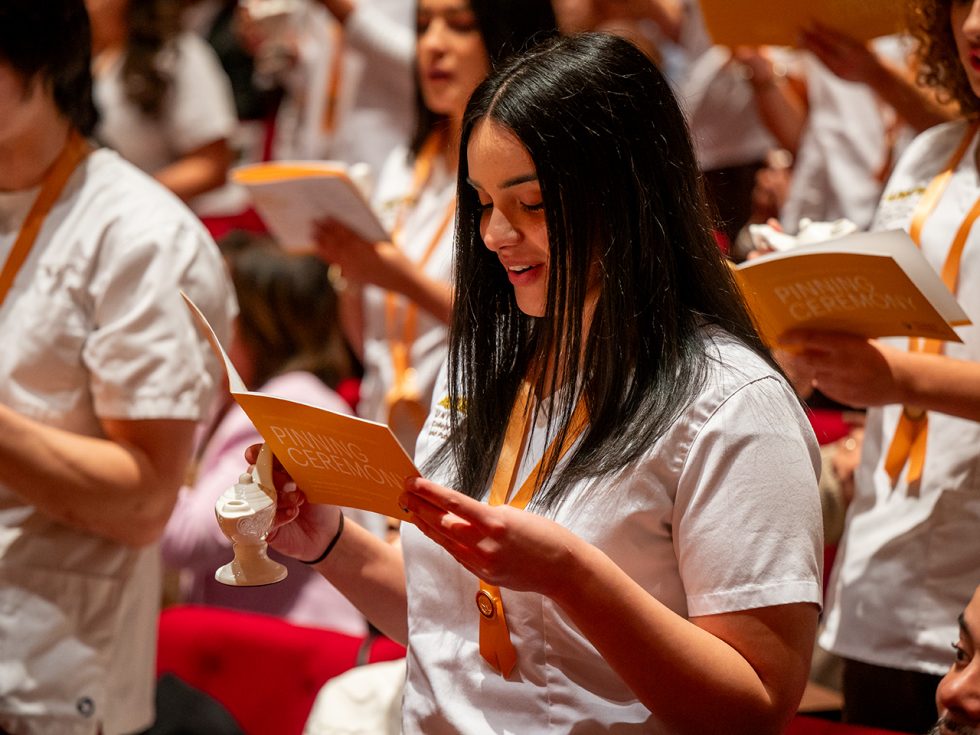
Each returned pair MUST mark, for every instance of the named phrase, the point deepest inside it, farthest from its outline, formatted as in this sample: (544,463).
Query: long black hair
(624,205)
(52,40)
(506,27)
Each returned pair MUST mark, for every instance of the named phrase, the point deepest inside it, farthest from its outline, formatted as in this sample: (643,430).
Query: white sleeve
(747,521)
(145,356)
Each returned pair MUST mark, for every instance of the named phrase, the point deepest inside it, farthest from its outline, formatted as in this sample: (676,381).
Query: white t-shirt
(420,224)
(909,561)
(845,146)
(721,514)
(94,328)
(375,110)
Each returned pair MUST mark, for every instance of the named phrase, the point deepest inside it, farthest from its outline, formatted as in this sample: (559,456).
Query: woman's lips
(524,277)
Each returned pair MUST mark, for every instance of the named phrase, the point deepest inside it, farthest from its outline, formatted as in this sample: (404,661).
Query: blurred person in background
(164,101)
(103,382)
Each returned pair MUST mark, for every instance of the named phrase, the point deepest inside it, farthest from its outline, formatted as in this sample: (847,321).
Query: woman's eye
(533,207)
(961,655)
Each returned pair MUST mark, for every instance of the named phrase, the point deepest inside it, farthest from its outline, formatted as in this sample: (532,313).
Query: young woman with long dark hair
(634,542)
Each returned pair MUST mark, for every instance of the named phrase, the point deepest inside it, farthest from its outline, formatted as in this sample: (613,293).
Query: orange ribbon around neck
(495,644)
(908,446)
(73,153)
(335,75)
(404,399)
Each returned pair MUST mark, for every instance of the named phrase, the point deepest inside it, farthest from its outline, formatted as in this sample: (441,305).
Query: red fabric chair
(802,725)
(264,670)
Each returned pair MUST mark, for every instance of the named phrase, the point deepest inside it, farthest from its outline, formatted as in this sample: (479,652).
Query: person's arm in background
(198,171)
(201,121)
(384,265)
(780,99)
(861,372)
(375,33)
(121,488)
(855,61)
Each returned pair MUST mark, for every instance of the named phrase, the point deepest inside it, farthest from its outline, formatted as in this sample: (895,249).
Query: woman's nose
(971,24)
(433,37)
(497,230)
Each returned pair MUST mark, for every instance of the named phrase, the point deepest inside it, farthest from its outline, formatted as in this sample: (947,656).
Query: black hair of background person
(623,204)
(151,25)
(52,39)
(288,311)
(507,27)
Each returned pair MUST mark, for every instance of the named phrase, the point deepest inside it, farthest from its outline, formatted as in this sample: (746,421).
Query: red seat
(264,670)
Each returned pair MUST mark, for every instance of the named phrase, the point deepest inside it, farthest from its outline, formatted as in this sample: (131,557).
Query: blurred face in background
(451,57)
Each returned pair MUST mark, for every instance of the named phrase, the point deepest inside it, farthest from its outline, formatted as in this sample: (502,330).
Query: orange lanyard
(334,80)
(73,153)
(403,388)
(495,644)
(908,446)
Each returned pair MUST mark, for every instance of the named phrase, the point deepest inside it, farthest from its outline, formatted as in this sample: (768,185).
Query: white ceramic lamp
(245,513)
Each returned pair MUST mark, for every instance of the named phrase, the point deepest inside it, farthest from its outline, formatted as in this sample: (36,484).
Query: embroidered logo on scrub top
(439,425)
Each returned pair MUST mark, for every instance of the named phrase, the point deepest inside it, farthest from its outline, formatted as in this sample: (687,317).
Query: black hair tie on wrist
(333,542)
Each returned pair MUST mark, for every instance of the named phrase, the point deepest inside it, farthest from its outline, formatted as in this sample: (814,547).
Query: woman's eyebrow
(523,179)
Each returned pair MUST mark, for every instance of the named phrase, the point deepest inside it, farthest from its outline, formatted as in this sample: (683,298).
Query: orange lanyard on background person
(328,123)
(74,152)
(908,446)
(495,644)
(404,389)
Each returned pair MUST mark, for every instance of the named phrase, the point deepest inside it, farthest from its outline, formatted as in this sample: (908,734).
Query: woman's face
(512,221)
(452,59)
(964,18)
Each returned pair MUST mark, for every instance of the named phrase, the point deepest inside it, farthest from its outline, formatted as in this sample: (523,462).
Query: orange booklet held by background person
(780,23)
(334,458)
(872,284)
(291,196)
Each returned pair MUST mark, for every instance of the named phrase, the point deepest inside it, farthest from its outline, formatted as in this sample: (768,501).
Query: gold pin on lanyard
(74,152)
(908,445)
(404,394)
(495,644)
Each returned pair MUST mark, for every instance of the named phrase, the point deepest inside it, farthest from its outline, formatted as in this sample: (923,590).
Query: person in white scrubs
(633,543)
(102,380)
(907,564)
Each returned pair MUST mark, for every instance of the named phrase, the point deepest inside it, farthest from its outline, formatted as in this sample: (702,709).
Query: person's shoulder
(731,363)
(130,197)
(109,177)
(932,146)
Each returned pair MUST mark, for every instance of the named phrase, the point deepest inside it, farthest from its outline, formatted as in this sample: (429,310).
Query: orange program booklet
(872,284)
(335,458)
(779,23)
(291,196)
